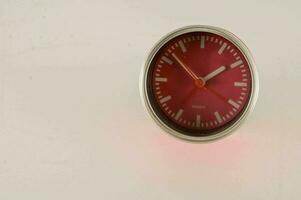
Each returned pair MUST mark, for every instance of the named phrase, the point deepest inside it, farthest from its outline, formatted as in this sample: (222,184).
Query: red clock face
(199,83)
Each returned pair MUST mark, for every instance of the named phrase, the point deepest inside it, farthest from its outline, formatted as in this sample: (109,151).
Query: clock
(199,83)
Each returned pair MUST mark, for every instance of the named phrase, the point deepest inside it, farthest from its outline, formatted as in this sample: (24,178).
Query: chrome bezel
(200,28)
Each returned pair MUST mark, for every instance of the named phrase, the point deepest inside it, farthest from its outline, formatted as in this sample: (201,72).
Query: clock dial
(199,83)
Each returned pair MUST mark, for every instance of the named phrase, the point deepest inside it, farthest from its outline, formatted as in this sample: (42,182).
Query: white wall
(72,125)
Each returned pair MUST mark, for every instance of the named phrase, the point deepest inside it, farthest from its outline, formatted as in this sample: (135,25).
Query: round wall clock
(199,83)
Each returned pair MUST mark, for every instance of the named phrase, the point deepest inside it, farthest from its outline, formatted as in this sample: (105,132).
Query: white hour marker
(179,113)
(202,44)
(218,117)
(167,60)
(221,50)
(240,84)
(198,121)
(237,63)
(161,79)
(183,48)
(233,103)
(165,99)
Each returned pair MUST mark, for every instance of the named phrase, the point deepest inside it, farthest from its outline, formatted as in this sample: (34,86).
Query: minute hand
(214,73)
(185,67)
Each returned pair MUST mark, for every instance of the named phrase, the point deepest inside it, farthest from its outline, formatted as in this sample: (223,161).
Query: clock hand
(185,67)
(214,73)
(199,82)
(221,97)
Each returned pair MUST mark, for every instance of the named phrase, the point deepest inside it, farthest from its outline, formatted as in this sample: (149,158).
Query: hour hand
(214,73)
